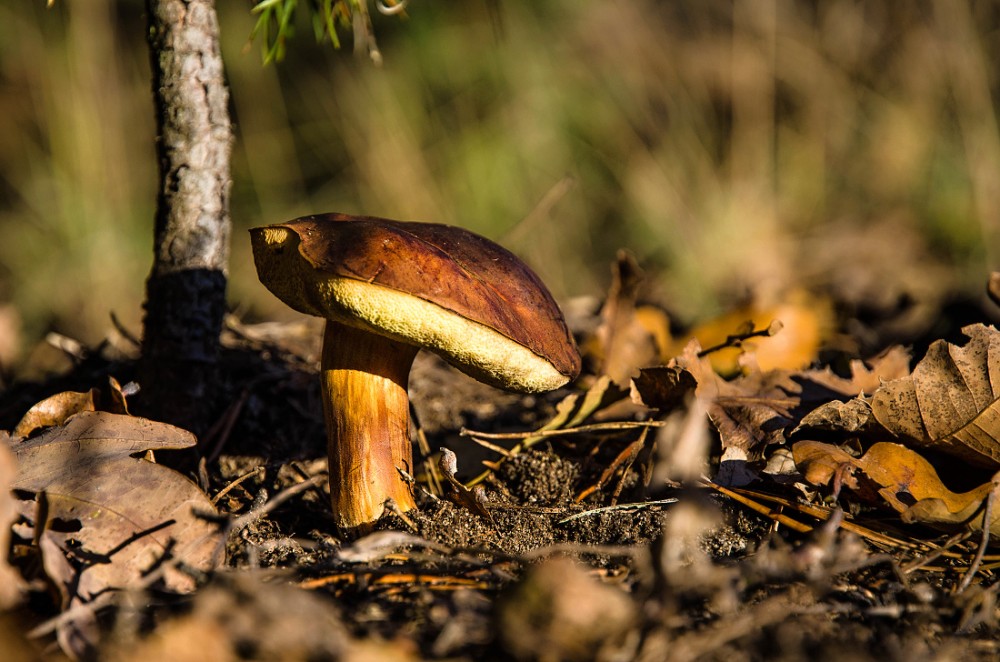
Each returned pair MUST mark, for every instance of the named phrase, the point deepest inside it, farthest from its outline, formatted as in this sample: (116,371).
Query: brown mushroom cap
(436,286)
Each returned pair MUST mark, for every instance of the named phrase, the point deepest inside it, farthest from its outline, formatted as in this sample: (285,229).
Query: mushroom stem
(364,379)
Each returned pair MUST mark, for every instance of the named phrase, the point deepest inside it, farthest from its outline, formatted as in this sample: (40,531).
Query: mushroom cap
(436,286)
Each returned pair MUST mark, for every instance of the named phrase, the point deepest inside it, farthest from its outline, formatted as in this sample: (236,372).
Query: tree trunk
(185,293)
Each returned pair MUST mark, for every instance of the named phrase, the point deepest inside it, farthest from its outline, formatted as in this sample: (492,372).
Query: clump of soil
(539,478)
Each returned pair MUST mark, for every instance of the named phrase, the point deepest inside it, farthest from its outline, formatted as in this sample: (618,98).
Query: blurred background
(739,149)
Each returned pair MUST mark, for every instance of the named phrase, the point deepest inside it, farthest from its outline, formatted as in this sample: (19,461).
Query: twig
(493,447)
(824,514)
(987,521)
(228,488)
(259,511)
(936,553)
(432,476)
(615,426)
(760,508)
(100,602)
(621,506)
(737,338)
(626,457)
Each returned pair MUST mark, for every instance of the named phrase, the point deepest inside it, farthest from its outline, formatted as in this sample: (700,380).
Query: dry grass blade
(620,506)
(616,426)
(759,507)
(236,483)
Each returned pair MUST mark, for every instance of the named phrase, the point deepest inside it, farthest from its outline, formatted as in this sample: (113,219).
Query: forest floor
(588,549)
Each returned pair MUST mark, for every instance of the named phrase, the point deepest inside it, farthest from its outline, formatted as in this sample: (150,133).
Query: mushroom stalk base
(364,379)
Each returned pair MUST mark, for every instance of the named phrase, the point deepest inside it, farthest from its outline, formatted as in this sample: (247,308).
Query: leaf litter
(648,564)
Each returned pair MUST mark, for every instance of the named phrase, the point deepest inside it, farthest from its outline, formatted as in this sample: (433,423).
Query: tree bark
(185,292)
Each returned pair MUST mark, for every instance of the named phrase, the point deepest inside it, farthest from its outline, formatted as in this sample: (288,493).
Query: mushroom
(386,289)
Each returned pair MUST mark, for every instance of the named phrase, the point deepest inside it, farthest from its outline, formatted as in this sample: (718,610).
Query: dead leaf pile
(886,416)
(948,405)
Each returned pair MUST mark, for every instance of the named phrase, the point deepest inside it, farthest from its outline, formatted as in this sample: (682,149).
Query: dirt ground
(671,572)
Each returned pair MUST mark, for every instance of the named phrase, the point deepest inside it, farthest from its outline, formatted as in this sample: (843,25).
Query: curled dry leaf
(855,416)
(759,408)
(951,402)
(819,463)
(750,412)
(54,410)
(474,500)
(866,376)
(628,338)
(902,478)
(114,516)
(663,387)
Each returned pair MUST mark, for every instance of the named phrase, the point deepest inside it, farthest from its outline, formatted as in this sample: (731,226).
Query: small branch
(987,521)
(617,426)
(621,506)
(737,338)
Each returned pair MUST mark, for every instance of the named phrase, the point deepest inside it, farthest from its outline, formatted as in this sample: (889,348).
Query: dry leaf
(11,584)
(762,408)
(627,339)
(749,412)
(866,376)
(663,388)
(902,478)
(54,411)
(950,402)
(852,417)
(115,516)
(474,500)
(907,478)
(806,322)
(820,463)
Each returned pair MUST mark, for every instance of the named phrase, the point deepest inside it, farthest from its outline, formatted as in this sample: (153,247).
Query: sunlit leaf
(951,402)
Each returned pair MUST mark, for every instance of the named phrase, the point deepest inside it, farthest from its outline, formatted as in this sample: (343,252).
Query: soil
(674,573)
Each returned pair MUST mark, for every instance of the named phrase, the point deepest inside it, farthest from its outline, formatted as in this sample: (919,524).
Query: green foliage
(276,22)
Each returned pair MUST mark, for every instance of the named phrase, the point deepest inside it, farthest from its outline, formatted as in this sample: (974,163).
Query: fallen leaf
(805,319)
(852,417)
(115,516)
(750,412)
(663,387)
(951,401)
(627,338)
(762,408)
(11,585)
(866,376)
(903,478)
(906,478)
(474,500)
(819,463)
(54,411)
